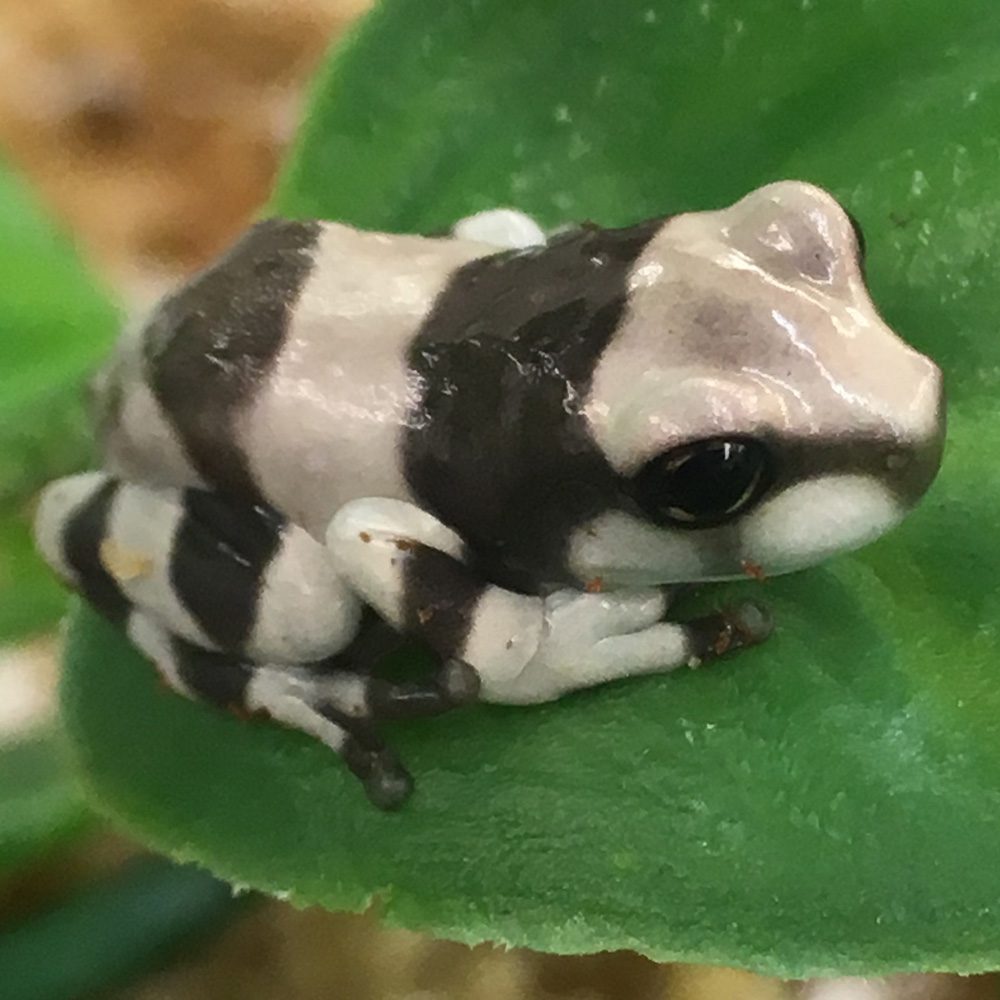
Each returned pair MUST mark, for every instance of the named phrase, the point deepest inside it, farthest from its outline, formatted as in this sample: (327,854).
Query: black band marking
(82,536)
(799,459)
(440,596)
(220,554)
(211,345)
(374,641)
(215,677)
(498,447)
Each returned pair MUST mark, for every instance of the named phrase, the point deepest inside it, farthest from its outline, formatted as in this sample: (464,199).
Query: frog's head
(757,409)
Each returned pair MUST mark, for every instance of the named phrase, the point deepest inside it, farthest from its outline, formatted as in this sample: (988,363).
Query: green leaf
(55,323)
(826,803)
(40,803)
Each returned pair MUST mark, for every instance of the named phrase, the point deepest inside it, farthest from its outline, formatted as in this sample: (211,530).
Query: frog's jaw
(799,527)
(816,519)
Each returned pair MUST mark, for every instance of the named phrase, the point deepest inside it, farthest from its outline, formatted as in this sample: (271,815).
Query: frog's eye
(703,484)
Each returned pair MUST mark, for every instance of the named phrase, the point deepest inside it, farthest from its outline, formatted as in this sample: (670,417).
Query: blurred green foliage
(40,803)
(55,323)
(111,931)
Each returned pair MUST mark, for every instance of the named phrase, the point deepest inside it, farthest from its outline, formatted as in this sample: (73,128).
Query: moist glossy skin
(756,321)
(506,453)
(749,321)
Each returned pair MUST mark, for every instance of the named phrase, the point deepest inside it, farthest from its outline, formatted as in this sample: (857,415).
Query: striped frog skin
(511,447)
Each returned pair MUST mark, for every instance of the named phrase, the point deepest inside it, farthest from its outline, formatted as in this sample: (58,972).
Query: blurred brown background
(153,129)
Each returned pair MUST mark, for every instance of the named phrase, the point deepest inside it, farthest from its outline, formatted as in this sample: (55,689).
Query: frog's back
(279,373)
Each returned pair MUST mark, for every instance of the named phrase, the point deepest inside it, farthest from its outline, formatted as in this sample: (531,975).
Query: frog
(516,448)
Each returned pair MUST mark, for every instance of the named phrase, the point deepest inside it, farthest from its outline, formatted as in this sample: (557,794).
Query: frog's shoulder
(517,296)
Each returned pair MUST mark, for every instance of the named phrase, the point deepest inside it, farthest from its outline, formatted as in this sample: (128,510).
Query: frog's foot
(336,706)
(454,684)
(590,639)
(409,567)
(505,228)
(726,631)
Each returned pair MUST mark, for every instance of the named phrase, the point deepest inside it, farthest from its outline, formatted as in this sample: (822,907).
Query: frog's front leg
(412,569)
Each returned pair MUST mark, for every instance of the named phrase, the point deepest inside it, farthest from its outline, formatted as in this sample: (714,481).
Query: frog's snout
(912,469)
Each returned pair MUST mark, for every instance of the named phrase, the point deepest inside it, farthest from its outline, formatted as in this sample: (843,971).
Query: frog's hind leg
(225,576)
(237,607)
(337,707)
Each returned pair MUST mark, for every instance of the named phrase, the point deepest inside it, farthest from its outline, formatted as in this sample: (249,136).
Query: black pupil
(703,484)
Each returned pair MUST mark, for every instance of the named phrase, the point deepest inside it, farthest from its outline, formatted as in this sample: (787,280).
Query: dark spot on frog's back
(497,445)
(209,346)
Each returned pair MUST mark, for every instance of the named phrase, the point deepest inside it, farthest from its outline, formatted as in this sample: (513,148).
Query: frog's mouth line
(797,528)
(818,518)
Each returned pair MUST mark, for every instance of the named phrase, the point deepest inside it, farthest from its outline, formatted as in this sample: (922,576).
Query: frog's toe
(456,683)
(460,682)
(387,784)
(727,631)
(753,622)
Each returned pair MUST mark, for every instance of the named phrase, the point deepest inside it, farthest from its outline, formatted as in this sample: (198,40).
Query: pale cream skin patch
(754,322)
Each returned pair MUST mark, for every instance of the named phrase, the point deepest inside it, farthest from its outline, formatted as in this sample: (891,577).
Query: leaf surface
(827,803)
